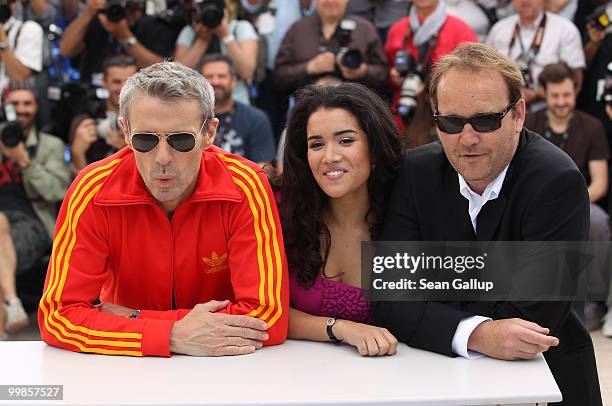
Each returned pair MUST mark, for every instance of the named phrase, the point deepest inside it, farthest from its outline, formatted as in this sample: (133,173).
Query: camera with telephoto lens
(5,11)
(348,57)
(209,12)
(601,18)
(406,67)
(11,133)
(105,121)
(115,10)
(408,97)
(104,126)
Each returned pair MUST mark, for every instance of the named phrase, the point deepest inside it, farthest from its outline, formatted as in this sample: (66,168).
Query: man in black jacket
(490,180)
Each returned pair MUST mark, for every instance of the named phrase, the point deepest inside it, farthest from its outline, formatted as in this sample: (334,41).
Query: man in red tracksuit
(178,239)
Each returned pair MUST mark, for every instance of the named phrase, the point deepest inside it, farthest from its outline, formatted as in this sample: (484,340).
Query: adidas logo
(215,263)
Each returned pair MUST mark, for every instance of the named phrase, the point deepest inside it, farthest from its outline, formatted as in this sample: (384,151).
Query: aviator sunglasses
(183,141)
(482,122)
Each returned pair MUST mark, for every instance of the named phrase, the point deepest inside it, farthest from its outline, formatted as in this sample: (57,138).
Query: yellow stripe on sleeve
(260,262)
(277,256)
(89,185)
(270,269)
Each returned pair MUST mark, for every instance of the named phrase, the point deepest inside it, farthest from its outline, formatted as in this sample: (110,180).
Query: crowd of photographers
(63,64)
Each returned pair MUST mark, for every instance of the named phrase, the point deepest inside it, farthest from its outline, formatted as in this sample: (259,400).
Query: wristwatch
(228,39)
(135,314)
(3,46)
(128,43)
(330,333)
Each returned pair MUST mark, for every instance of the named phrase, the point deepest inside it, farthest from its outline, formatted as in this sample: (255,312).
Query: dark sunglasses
(183,141)
(482,122)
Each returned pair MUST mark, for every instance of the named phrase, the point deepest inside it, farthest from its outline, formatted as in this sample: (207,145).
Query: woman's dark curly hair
(303,201)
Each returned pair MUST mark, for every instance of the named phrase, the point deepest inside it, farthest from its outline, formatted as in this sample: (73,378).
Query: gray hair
(168,81)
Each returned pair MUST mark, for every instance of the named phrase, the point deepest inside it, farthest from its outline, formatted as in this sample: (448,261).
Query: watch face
(331,321)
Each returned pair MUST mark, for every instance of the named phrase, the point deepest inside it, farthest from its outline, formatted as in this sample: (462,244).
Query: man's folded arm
(559,211)
(256,254)
(429,326)
(76,273)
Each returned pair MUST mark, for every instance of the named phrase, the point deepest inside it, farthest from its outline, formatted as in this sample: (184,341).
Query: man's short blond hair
(474,57)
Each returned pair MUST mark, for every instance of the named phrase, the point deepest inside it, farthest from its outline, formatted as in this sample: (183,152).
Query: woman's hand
(369,340)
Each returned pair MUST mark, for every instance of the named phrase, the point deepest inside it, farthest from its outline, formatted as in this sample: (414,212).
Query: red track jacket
(113,242)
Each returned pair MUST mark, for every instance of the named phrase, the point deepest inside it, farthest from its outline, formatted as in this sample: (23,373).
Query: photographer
(243,130)
(108,27)
(96,135)
(596,33)
(534,38)
(33,179)
(21,46)
(272,19)
(598,76)
(329,42)
(214,31)
(582,137)
(416,43)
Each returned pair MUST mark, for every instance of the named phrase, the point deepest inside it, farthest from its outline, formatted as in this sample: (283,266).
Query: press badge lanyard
(536,43)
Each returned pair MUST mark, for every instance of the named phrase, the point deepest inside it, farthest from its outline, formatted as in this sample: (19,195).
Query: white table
(295,373)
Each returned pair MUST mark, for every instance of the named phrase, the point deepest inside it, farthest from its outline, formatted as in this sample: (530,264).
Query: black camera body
(11,133)
(176,15)
(115,10)
(348,57)
(404,63)
(209,12)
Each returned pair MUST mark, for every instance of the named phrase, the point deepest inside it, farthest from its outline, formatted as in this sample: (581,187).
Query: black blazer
(543,198)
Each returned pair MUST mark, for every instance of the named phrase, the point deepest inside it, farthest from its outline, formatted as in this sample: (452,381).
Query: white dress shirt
(476,203)
(561,42)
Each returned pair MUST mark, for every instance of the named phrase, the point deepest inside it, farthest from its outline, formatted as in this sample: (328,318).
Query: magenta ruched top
(328,298)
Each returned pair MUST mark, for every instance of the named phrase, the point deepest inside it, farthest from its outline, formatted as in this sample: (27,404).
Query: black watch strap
(330,333)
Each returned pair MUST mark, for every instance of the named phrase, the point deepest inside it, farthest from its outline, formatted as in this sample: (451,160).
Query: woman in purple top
(340,161)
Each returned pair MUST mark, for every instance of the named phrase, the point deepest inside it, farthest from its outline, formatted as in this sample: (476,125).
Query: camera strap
(489,13)
(18,32)
(425,51)
(536,43)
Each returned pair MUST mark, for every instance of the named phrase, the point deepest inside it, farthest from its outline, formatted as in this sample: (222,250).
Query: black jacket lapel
(490,217)
(453,208)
